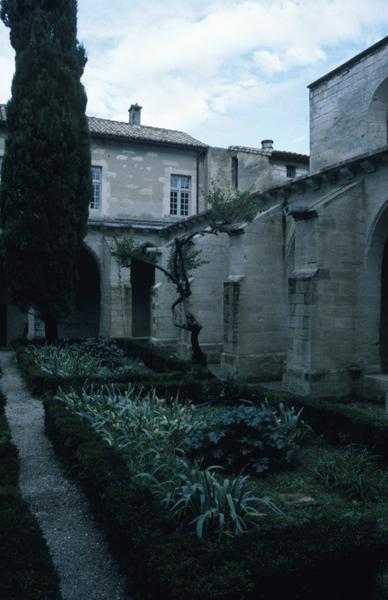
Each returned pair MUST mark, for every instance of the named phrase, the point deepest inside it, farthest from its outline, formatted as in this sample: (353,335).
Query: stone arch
(85,319)
(374,294)
(377,126)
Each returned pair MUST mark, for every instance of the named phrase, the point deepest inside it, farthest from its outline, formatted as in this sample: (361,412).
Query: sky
(230,72)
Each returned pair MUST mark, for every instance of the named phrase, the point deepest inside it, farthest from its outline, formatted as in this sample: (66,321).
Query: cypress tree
(46,181)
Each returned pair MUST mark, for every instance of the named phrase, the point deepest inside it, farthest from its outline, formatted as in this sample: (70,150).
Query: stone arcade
(301,293)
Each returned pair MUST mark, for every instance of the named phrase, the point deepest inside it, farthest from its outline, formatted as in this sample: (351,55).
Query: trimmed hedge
(26,569)
(324,556)
(152,357)
(337,422)
(191,384)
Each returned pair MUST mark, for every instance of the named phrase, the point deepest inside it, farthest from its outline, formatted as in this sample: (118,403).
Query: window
(96,180)
(235,172)
(291,170)
(180,195)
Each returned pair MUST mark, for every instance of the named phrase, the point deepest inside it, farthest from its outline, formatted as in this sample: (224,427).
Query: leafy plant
(353,472)
(84,359)
(108,352)
(148,430)
(65,362)
(150,433)
(250,437)
(225,505)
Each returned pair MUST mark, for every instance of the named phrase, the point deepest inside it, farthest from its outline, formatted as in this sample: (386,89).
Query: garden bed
(325,544)
(26,569)
(94,362)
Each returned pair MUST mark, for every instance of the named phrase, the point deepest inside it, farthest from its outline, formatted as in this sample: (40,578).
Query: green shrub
(255,438)
(323,556)
(150,433)
(224,506)
(159,359)
(65,362)
(107,351)
(26,569)
(353,472)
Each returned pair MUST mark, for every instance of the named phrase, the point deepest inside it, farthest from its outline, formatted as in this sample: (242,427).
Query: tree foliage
(46,181)
(184,257)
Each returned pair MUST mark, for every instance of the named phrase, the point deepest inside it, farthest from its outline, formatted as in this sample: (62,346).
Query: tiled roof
(279,154)
(140,133)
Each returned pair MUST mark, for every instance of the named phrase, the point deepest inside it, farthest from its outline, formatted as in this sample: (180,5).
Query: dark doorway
(84,321)
(142,280)
(384,312)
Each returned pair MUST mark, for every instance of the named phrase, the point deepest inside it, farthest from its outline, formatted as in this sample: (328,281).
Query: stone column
(255,321)
(323,297)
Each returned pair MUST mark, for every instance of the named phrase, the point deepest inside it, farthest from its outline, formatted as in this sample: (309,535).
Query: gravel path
(77,546)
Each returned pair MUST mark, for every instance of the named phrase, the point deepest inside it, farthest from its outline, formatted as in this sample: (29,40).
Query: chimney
(135,114)
(267,146)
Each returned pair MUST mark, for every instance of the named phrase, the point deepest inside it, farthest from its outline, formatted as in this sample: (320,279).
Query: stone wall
(136,178)
(255,299)
(348,109)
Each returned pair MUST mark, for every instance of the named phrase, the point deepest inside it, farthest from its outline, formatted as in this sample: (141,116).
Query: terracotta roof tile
(139,133)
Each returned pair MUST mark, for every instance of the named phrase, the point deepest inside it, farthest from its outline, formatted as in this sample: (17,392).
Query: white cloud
(268,62)
(190,62)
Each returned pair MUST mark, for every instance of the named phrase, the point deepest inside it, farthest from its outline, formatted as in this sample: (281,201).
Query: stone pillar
(323,298)
(207,296)
(120,301)
(163,293)
(255,317)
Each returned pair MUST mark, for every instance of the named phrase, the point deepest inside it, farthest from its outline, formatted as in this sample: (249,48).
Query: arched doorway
(371,334)
(383,337)
(84,321)
(142,280)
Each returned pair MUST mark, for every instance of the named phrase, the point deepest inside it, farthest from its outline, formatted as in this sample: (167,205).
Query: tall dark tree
(46,181)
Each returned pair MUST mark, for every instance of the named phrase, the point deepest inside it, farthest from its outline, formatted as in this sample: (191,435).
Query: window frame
(291,171)
(180,195)
(96,189)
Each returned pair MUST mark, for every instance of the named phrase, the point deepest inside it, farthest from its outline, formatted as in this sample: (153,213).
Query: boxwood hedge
(324,556)
(26,570)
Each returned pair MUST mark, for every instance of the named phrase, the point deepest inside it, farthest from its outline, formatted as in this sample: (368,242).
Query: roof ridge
(137,126)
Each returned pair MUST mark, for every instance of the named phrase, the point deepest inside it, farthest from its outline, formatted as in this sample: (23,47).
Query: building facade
(152,184)
(298,295)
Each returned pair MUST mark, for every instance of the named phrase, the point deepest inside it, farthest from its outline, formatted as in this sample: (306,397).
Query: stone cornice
(341,172)
(157,227)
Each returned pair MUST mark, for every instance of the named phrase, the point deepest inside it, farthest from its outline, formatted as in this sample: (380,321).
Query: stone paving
(78,548)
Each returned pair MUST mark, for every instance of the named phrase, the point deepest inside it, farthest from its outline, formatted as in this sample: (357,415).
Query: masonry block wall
(348,109)
(136,178)
(255,300)
(207,296)
(323,293)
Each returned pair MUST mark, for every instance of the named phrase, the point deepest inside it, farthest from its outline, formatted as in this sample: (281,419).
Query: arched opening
(372,313)
(142,280)
(378,117)
(84,321)
(384,312)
